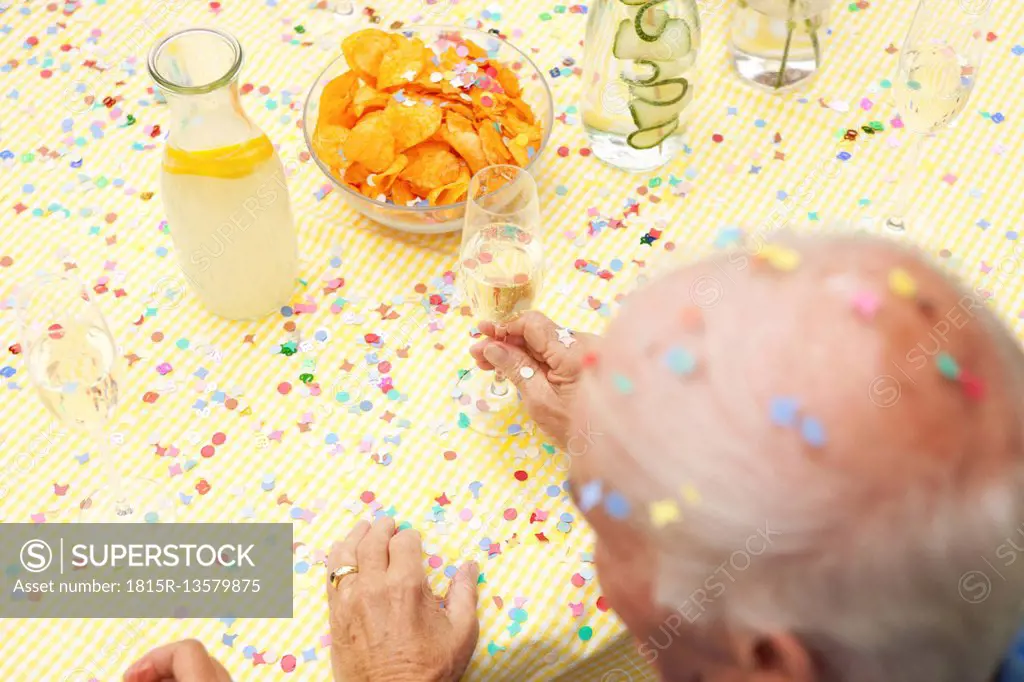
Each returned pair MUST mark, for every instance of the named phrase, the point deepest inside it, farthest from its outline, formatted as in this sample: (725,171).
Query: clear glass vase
(223,183)
(637,79)
(778,44)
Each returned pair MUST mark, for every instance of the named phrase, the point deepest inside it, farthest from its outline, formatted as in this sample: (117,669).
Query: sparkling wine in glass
(72,363)
(938,69)
(501,270)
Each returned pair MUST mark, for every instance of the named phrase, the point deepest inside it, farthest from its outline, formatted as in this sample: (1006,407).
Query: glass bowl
(433,219)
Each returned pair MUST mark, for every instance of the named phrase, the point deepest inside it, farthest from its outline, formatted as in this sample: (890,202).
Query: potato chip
(402,193)
(508,80)
(356,174)
(460,109)
(402,64)
(431,165)
(410,123)
(367,99)
(337,99)
(494,148)
(458,131)
(453,192)
(328,141)
(371,143)
(524,109)
(413,121)
(386,179)
(518,151)
(364,51)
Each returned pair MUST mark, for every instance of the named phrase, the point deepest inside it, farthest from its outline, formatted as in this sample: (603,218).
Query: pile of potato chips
(409,124)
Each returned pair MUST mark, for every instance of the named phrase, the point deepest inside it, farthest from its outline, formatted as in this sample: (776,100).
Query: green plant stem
(812,31)
(790,27)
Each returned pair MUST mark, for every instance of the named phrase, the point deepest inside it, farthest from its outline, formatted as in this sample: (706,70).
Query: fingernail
(495,354)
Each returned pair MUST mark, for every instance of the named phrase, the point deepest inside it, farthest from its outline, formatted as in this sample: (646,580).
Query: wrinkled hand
(386,624)
(531,340)
(184,661)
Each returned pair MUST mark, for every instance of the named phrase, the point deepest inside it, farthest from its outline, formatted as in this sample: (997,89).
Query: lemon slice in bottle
(233,161)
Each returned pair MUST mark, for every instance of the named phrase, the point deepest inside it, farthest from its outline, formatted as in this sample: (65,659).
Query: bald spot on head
(871,380)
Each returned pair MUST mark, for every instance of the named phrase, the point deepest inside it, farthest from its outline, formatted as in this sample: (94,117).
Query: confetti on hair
(902,284)
(680,361)
(780,257)
(590,495)
(865,304)
(622,384)
(973,387)
(784,410)
(616,505)
(664,512)
(813,432)
(691,318)
(690,495)
(947,366)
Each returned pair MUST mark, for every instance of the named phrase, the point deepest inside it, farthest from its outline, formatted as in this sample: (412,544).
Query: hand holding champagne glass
(938,69)
(501,265)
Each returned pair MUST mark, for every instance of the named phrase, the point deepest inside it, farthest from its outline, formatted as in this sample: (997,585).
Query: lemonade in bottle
(224,188)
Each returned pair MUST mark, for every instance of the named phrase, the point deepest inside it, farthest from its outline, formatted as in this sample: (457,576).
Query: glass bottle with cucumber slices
(637,79)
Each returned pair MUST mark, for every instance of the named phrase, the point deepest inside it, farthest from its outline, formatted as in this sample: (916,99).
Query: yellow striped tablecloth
(78,185)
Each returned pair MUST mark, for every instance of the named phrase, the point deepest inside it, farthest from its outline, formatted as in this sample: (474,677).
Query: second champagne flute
(501,270)
(938,69)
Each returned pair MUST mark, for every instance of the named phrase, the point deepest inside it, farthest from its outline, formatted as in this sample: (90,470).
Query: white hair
(914,579)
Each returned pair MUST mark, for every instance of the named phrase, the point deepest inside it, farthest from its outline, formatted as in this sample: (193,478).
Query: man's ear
(775,657)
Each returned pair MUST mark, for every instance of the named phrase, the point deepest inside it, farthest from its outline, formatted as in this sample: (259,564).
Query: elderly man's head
(807,465)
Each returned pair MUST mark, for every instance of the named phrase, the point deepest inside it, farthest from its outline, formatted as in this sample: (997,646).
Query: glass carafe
(224,188)
(778,44)
(637,79)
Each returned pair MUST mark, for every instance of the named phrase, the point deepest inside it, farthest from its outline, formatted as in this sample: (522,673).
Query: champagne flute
(501,270)
(71,357)
(938,69)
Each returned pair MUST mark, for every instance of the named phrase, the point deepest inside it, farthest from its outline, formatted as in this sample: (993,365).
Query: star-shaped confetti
(565,336)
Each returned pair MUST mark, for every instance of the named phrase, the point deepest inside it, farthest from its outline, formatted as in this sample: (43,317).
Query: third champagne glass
(938,69)
(501,268)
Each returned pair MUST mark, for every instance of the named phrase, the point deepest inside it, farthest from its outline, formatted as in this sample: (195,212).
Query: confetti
(590,495)
(679,361)
(813,432)
(784,411)
(947,366)
(663,513)
(866,304)
(902,283)
(616,505)
(781,258)
(622,384)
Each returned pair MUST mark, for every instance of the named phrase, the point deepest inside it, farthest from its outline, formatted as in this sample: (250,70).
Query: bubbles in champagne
(502,268)
(73,373)
(933,87)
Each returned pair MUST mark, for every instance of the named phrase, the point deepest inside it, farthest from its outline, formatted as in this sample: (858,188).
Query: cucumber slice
(647,114)
(634,3)
(651,22)
(652,137)
(671,44)
(662,92)
(650,79)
